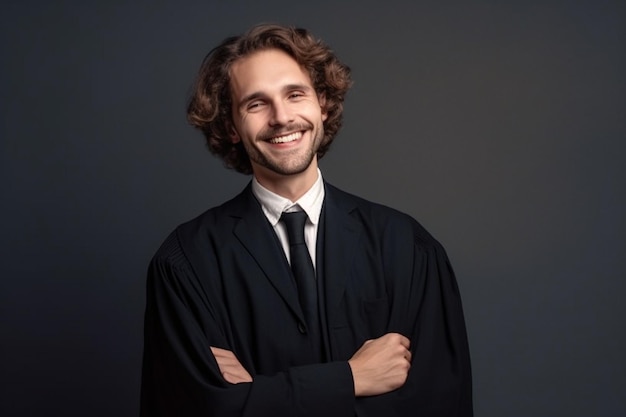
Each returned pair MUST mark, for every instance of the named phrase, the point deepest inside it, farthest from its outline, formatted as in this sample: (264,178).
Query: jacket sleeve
(425,307)
(180,376)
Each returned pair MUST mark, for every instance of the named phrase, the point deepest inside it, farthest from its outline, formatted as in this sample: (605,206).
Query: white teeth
(288,138)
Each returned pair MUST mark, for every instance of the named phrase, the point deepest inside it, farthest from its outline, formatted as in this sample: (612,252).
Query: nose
(281,114)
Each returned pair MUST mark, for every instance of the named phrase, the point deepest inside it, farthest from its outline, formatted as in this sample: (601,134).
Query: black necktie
(302,267)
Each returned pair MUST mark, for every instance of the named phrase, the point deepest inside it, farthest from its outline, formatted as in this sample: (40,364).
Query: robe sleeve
(180,376)
(425,307)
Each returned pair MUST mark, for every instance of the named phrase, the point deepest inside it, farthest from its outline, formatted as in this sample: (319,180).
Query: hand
(230,367)
(381,365)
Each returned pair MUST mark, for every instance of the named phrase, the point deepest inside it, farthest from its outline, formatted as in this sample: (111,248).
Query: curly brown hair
(209,107)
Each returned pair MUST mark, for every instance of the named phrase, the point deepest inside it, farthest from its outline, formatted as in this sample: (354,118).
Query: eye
(296,95)
(254,105)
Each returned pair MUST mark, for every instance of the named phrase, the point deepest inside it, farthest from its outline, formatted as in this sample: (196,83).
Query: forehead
(265,72)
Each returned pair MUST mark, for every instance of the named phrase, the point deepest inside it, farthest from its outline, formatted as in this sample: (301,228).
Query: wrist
(357,379)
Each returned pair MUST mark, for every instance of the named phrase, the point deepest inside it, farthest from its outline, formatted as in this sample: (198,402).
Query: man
(242,319)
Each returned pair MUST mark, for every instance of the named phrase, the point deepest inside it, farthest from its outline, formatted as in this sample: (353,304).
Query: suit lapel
(342,233)
(257,236)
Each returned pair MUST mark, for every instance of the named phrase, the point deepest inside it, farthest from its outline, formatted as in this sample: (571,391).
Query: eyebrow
(259,94)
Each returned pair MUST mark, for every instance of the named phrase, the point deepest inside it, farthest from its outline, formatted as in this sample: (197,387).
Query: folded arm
(379,366)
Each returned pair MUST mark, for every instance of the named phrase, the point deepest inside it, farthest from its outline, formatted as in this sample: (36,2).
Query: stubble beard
(288,165)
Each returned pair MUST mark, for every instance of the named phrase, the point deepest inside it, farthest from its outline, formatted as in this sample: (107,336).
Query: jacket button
(301,328)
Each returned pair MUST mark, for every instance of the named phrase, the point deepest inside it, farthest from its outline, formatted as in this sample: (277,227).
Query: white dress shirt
(274,205)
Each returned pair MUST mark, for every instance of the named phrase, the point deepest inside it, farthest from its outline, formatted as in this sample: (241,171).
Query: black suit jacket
(223,280)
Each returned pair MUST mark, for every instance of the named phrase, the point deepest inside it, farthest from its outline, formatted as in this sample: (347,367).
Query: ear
(321,98)
(232,133)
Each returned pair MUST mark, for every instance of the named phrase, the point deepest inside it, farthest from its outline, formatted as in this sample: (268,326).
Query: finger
(223,353)
(397,338)
(236,373)
(404,341)
(225,357)
(237,376)
(231,369)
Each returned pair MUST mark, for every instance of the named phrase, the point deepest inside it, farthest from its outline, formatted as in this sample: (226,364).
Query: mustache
(273,132)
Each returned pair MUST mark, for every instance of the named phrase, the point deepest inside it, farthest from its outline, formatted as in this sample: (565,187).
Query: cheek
(247,127)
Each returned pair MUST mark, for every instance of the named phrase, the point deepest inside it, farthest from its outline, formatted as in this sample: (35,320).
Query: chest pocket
(360,320)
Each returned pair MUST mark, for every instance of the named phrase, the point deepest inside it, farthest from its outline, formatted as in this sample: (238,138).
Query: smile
(287,138)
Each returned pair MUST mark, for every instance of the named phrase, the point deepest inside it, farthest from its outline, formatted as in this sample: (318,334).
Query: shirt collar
(274,205)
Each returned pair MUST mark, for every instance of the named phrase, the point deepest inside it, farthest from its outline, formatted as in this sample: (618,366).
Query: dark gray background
(500,126)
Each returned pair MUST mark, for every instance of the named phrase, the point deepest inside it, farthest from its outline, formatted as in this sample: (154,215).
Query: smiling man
(295,298)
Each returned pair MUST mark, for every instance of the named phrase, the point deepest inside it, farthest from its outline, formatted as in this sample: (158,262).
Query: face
(276,114)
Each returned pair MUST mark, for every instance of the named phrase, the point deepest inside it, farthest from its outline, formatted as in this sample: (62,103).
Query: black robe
(222,280)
